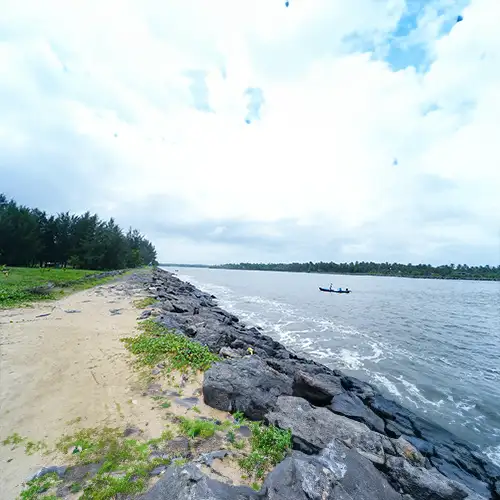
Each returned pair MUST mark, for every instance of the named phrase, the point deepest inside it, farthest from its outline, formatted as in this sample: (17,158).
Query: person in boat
(340,289)
(347,290)
(331,286)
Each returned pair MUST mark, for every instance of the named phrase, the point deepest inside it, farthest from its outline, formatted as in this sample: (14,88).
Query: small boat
(333,291)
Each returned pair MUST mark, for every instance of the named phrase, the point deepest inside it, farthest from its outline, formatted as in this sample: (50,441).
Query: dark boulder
(350,405)
(247,384)
(337,473)
(317,389)
(189,483)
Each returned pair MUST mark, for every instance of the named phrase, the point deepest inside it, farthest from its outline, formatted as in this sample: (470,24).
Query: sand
(63,367)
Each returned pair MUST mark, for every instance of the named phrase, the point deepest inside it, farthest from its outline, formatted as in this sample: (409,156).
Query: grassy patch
(156,344)
(37,487)
(145,302)
(198,427)
(23,285)
(124,463)
(269,447)
(30,447)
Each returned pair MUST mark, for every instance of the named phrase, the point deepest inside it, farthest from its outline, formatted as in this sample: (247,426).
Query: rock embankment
(350,442)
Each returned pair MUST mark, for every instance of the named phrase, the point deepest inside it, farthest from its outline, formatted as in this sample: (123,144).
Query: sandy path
(67,366)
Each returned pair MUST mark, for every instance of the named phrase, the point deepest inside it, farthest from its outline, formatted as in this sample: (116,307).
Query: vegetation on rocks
(156,344)
(145,302)
(198,427)
(36,488)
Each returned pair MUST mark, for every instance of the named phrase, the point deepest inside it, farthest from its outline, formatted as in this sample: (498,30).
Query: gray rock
(317,389)
(72,311)
(132,431)
(227,352)
(244,431)
(337,473)
(115,312)
(247,384)
(187,402)
(158,470)
(178,446)
(313,428)
(208,458)
(144,315)
(189,483)
(423,484)
(352,406)
(59,470)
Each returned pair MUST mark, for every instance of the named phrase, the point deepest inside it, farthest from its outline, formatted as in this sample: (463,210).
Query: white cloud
(98,113)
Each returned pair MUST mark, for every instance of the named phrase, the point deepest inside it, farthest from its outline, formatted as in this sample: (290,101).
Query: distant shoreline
(448,278)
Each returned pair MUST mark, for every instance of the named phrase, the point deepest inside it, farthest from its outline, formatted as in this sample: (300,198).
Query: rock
(115,312)
(44,315)
(361,389)
(158,470)
(313,428)
(208,458)
(144,315)
(337,473)
(497,488)
(352,406)
(72,311)
(178,446)
(406,450)
(246,384)
(132,431)
(227,352)
(244,431)
(187,402)
(155,371)
(59,470)
(318,390)
(154,390)
(189,483)
(423,484)
(424,447)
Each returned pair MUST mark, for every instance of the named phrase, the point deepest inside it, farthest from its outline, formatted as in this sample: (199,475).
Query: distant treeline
(450,271)
(31,237)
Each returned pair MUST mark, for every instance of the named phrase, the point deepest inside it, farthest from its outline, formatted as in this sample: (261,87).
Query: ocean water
(432,345)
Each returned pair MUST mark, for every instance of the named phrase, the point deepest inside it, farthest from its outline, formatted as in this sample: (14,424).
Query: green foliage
(166,404)
(269,447)
(196,409)
(36,488)
(13,439)
(25,285)
(156,344)
(145,302)
(198,427)
(30,447)
(125,463)
(31,237)
(449,271)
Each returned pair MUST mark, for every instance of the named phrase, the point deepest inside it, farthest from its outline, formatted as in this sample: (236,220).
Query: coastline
(68,370)
(196,314)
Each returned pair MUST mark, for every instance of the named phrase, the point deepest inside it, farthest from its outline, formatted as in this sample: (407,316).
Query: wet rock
(317,389)
(352,406)
(59,470)
(158,470)
(361,389)
(423,484)
(245,384)
(189,483)
(337,473)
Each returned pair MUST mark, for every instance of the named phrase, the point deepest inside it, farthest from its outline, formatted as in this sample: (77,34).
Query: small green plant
(36,487)
(231,437)
(180,462)
(14,439)
(145,302)
(239,417)
(32,447)
(156,344)
(240,444)
(196,409)
(269,447)
(256,486)
(75,488)
(198,427)
(166,404)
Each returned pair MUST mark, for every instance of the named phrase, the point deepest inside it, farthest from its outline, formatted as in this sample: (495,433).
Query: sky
(229,131)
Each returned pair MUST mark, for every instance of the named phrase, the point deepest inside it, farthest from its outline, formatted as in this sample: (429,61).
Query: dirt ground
(63,367)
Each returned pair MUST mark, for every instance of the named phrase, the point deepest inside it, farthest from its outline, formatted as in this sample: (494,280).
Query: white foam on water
(493,453)
(415,392)
(390,386)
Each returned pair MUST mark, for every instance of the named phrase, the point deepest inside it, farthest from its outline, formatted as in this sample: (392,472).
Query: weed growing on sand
(145,302)
(269,447)
(198,427)
(30,447)
(124,463)
(166,404)
(37,487)
(156,344)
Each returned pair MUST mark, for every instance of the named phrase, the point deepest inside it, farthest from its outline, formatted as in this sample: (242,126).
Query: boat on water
(333,291)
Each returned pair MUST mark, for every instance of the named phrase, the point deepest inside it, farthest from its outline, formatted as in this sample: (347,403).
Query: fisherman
(331,285)
(347,289)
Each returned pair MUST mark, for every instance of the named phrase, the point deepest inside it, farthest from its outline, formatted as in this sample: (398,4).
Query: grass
(23,285)
(198,427)
(269,447)
(145,302)
(30,447)
(124,463)
(156,344)
(37,487)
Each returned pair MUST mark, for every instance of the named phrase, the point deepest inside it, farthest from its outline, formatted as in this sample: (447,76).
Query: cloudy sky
(232,131)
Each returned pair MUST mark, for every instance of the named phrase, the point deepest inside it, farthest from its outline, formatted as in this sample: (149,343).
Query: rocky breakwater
(350,442)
